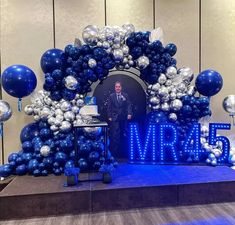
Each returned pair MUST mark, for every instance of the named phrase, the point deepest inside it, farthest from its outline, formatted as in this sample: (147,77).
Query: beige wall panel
(26,32)
(139,13)
(72,16)
(179,20)
(218,48)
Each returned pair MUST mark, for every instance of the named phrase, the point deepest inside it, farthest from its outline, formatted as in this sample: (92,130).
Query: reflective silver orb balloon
(163,91)
(54,128)
(48,101)
(154,100)
(92,63)
(69,116)
(217,152)
(58,112)
(28,110)
(181,87)
(176,105)
(45,150)
(90,35)
(172,117)
(59,118)
(171,72)
(229,104)
(129,28)
(51,120)
(191,90)
(172,95)
(45,112)
(204,131)
(5,111)
(142,62)
(80,102)
(118,55)
(65,106)
(125,50)
(155,87)
(168,82)
(65,126)
(162,79)
(187,74)
(156,107)
(70,82)
(75,109)
(165,107)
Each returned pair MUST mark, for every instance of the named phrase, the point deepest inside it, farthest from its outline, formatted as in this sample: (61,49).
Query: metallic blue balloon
(21,170)
(19,81)
(61,158)
(53,59)
(5,170)
(209,82)
(12,157)
(29,132)
(33,165)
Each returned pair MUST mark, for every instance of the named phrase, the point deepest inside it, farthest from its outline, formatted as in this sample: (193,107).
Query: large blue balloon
(53,59)
(209,82)
(29,132)
(19,81)
(5,170)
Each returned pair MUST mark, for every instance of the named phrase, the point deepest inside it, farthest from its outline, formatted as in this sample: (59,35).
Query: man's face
(118,88)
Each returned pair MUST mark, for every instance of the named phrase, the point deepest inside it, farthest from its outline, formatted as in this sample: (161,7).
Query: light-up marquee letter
(213,138)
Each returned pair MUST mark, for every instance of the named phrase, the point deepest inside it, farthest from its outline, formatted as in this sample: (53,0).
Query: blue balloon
(93,156)
(157,117)
(209,82)
(171,49)
(27,146)
(44,173)
(29,132)
(69,164)
(5,170)
(12,157)
(82,164)
(33,165)
(53,59)
(21,170)
(19,81)
(27,157)
(36,172)
(61,158)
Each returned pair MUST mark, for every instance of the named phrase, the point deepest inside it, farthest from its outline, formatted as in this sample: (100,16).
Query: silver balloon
(106,45)
(171,72)
(69,116)
(217,152)
(75,109)
(90,35)
(142,62)
(65,126)
(51,120)
(125,50)
(156,107)
(129,28)
(54,128)
(155,87)
(191,90)
(176,105)
(70,82)
(154,100)
(5,111)
(48,101)
(118,55)
(65,106)
(204,131)
(80,102)
(45,150)
(229,104)
(162,79)
(58,112)
(172,95)
(36,117)
(92,63)
(214,162)
(45,112)
(165,107)
(168,82)
(165,98)
(28,110)
(187,74)
(181,87)
(163,91)
(172,117)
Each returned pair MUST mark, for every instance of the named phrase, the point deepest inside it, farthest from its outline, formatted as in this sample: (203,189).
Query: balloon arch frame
(68,76)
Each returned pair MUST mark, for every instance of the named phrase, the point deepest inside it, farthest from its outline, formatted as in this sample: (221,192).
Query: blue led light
(194,135)
(135,138)
(213,138)
(168,141)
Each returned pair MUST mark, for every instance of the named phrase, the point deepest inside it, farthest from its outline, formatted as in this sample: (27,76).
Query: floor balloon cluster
(47,144)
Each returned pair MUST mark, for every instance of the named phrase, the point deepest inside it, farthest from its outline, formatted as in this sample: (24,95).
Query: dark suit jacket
(119,110)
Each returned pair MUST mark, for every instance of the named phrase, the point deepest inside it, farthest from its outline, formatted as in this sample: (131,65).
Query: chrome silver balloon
(162,79)
(5,111)
(176,105)
(191,90)
(80,102)
(154,100)
(51,120)
(69,116)
(163,91)
(171,72)
(118,55)
(65,126)
(229,104)
(65,106)
(156,87)
(128,28)
(29,110)
(125,50)
(165,107)
(70,82)
(45,150)
(142,62)
(90,35)
(204,131)
(45,112)
(187,74)
(93,131)
(172,117)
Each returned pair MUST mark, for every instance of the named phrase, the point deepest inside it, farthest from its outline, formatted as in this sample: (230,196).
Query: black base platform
(134,186)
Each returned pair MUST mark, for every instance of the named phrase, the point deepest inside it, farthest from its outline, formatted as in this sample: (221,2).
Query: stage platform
(133,186)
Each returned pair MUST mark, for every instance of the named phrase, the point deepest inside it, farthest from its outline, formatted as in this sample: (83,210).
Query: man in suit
(119,111)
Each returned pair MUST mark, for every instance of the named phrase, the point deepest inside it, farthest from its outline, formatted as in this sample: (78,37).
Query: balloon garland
(47,144)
